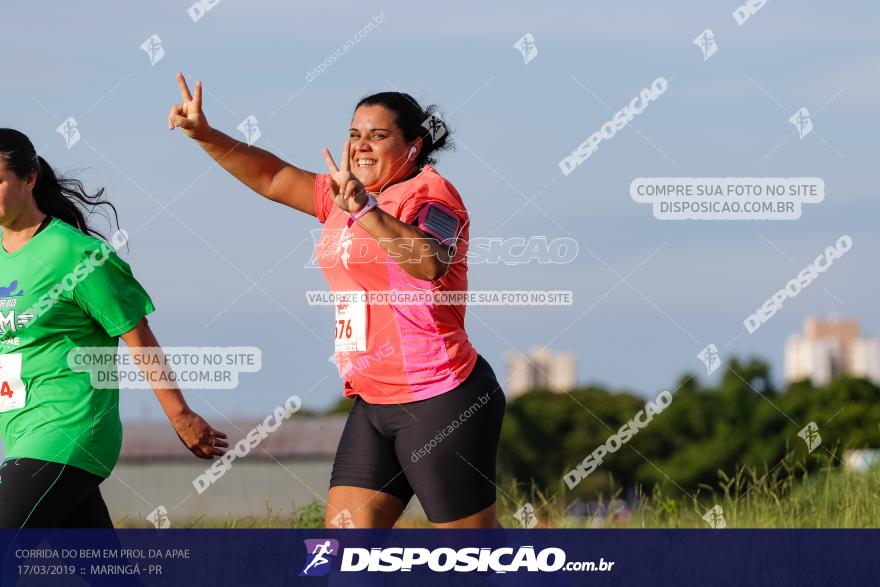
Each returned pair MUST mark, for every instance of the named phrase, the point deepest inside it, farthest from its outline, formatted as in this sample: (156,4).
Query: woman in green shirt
(62,288)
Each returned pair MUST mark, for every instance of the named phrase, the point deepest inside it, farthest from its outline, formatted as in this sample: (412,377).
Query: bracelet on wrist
(371,203)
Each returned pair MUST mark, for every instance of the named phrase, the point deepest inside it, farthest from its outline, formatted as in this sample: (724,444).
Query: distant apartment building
(829,348)
(541,368)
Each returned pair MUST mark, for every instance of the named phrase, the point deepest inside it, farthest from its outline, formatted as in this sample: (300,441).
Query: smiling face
(378,148)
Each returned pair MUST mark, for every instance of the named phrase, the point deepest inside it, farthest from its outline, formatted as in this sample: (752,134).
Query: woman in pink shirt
(428,409)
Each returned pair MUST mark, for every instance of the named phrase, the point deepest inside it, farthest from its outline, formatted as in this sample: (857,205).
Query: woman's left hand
(198,436)
(347,191)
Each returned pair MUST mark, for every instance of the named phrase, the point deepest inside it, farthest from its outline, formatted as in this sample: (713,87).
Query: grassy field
(787,496)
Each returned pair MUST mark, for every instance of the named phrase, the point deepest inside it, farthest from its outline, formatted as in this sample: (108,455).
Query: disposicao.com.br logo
(322,552)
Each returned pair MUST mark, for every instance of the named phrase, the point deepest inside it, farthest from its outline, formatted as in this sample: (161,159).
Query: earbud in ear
(412,151)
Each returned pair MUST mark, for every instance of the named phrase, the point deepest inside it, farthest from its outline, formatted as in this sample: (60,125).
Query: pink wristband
(371,203)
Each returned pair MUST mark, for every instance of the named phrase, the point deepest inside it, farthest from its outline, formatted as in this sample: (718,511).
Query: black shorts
(43,494)
(443,448)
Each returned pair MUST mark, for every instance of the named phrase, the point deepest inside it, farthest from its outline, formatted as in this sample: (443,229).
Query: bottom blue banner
(440,557)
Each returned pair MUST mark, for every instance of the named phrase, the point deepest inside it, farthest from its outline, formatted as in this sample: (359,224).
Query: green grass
(789,495)
(309,516)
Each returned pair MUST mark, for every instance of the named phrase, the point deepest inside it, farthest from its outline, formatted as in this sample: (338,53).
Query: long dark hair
(61,197)
(410,117)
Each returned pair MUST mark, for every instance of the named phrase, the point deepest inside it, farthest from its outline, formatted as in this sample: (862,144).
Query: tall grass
(789,495)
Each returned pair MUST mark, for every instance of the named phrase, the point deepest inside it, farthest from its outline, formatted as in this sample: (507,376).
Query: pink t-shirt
(386,352)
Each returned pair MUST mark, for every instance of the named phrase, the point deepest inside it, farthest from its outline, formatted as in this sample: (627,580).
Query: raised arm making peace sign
(260,170)
(384,156)
(188,115)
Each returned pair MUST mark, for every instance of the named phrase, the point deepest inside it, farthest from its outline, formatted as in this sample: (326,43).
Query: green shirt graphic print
(62,290)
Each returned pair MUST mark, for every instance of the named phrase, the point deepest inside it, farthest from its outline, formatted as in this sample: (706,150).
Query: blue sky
(695,281)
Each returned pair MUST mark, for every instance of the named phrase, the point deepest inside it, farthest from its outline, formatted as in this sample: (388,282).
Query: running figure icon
(321,549)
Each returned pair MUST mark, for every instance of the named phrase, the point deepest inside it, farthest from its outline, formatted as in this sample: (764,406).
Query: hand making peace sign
(189,116)
(347,191)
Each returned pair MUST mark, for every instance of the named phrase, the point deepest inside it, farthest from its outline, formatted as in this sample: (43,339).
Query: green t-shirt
(62,290)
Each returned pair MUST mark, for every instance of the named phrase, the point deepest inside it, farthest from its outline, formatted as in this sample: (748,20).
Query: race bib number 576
(351,322)
(12,391)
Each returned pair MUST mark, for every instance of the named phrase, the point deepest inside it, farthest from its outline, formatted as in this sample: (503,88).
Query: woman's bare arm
(196,434)
(260,170)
